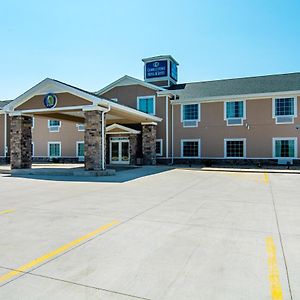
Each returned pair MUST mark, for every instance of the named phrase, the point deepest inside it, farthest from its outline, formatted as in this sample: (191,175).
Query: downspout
(172,129)
(5,134)
(167,126)
(102,137)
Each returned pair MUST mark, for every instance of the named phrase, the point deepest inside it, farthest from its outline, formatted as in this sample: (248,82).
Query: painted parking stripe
(3,212)
(54,253)
(266,178)
(274,279)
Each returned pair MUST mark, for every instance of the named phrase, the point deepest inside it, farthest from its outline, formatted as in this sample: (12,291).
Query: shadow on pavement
(122,175)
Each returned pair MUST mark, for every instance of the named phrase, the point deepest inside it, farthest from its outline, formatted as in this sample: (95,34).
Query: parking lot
(173,234)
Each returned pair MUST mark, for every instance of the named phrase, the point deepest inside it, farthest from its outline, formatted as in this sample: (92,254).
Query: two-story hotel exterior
(242,119)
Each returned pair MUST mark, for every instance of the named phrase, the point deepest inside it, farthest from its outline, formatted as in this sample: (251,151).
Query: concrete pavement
(178,234)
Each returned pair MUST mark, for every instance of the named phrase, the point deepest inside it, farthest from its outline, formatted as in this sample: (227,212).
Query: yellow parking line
(6,211)
(274,280)
(266,178)
(56,252)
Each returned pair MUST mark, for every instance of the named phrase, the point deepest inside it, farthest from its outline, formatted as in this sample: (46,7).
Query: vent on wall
(191,123)
(284,119)
(235,121)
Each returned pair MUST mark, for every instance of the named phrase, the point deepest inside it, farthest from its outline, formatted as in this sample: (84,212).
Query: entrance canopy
(58,100)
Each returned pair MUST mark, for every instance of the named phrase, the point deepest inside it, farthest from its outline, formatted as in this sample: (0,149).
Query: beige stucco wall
(68,135)
(127,95)
(212,130)
(63,100)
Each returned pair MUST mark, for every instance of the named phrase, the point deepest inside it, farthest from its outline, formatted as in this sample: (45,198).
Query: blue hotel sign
(157,69)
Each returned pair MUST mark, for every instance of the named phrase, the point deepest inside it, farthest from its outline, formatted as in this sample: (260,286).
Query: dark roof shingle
(239,86)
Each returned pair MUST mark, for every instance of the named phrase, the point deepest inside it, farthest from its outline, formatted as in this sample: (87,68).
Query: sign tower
(161,70)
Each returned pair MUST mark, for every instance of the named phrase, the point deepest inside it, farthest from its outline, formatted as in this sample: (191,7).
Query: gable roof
(4,103)
(121,128)
(238,86)
(55,86)
(128,80)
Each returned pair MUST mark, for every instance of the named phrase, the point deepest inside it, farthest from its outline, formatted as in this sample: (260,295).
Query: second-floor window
(190,115)
(284,110)
(146,104)
(54,125)
(234,112)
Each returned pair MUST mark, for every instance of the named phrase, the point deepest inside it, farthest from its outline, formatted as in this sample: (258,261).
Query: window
(234,112)
(285,147)
(284,110)
(54,149)
(80,127)
(190,115)
(190,148)
(32,149)
(54,125)
(159,145)
(146,104)
(235,148)
(80,149)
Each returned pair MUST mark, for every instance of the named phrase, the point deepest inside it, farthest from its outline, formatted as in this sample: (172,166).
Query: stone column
(20,142)
(133,147)
(149,143)
(93,140)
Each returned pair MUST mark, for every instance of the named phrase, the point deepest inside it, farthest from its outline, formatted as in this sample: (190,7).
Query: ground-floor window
(190,148)
(159,149)
(80,149)
(235,148)
(32,149)
(285,147)
(54,149)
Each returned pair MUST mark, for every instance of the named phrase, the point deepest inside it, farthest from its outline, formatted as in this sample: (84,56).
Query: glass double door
(119,151)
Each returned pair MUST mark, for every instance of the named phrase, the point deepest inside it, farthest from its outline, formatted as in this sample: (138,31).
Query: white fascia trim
(134,81)
(235,139)
(142,97)
(121,127)
(190,140)
(51,143)
(282,97)
(236,97)
(199,111)
(53,86)
(274,139)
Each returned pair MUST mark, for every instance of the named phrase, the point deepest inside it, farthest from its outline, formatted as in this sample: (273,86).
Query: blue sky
(92,43)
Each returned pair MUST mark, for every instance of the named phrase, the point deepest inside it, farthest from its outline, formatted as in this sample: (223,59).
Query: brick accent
(20,141)
(133,148)
(92,141)
(149,144)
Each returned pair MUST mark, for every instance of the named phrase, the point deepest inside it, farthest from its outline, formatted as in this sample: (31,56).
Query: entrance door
(119,151)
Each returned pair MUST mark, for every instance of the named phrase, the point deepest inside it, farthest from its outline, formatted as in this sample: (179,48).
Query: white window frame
(244,112)
(199,114)
(161,147)
(143,97)
(233,140)
(79,127)
(292,116)
(77,155)
(32,124)
(190,140)
(54,128)
(51,143)
(274,139)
